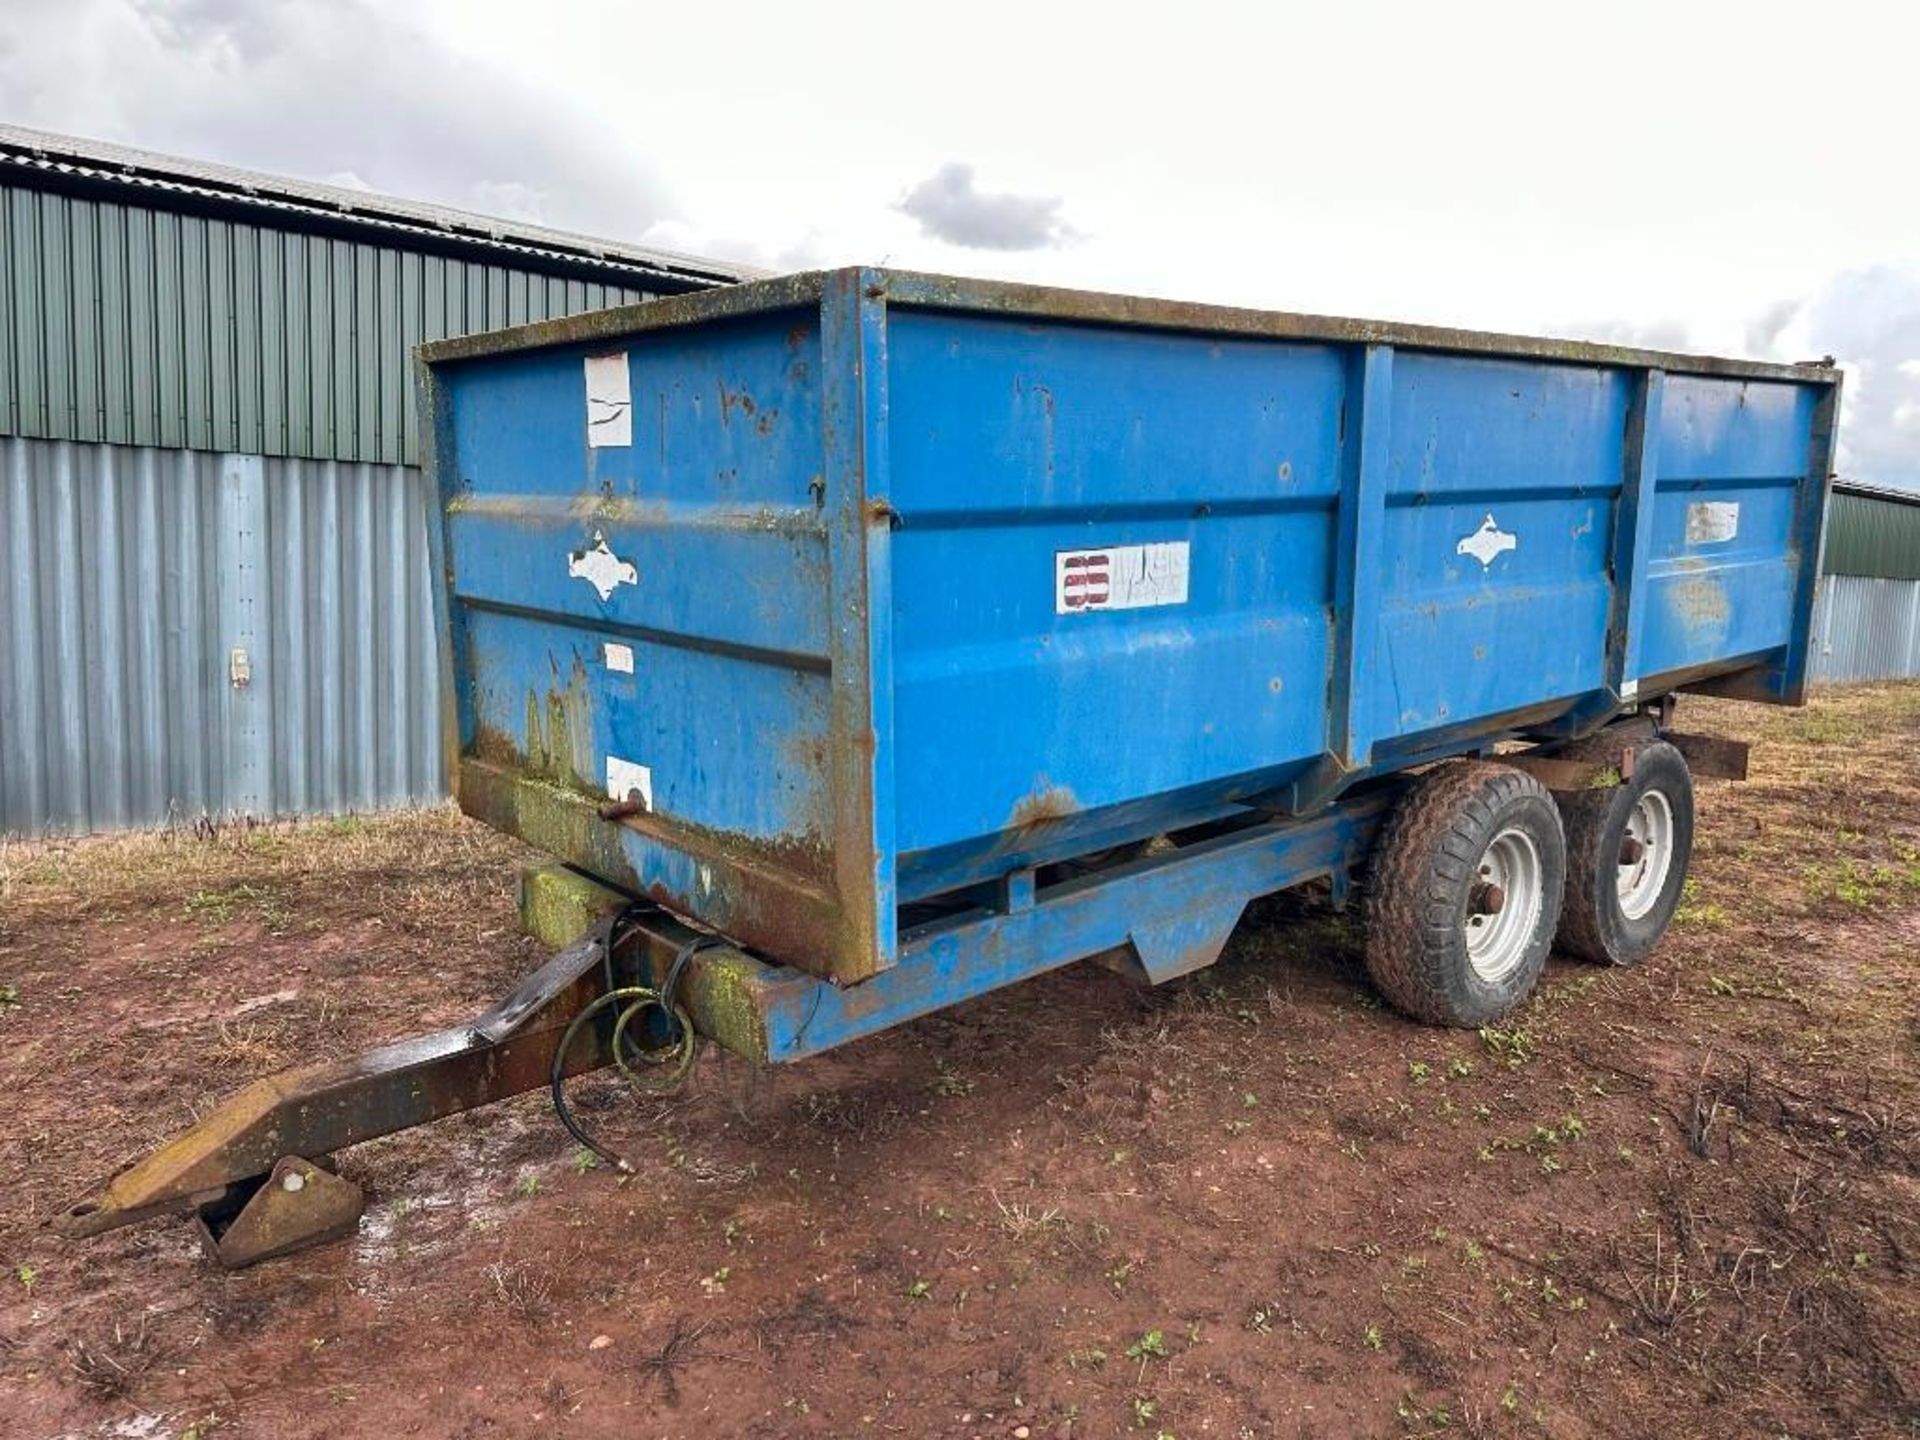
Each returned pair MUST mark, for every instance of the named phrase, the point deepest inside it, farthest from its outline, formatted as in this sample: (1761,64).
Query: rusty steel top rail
(1093,307)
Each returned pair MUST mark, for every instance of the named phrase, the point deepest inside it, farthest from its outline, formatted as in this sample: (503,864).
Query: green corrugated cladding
(142,326)
(1873,535)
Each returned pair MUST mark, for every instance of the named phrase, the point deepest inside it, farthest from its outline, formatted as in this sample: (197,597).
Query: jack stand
(299,1203)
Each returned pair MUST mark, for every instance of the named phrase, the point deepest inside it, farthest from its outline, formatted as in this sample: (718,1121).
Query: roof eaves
(61,155)
(1867,491)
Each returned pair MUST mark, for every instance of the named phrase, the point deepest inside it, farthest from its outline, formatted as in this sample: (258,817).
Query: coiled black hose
(635,1001)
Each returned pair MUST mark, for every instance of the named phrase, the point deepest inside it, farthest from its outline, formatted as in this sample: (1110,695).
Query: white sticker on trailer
(1120,577)
(609,401)
(1712,522)
(627,780)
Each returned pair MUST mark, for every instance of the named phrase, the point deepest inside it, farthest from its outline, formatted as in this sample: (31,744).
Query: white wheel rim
(1649,841)
(1503,905)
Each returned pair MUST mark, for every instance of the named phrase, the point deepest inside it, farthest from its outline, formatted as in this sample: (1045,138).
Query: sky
(1736,179)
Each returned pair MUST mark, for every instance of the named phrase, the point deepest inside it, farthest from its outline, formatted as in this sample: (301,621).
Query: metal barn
(213,593)
(1867,626)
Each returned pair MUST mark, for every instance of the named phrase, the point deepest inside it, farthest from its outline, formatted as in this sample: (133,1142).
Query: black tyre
(1463,893)
(1628,847)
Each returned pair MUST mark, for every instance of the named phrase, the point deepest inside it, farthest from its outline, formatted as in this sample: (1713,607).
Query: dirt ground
(1682,1199)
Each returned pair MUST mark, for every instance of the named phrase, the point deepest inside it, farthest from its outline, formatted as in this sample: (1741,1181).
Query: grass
(677,1349)
(524,1291)
(416,861)
(220,907)
(1696,913)
(251,1047)
(948,1082)
(1021,1219)
(1513,1047)
(1868,884)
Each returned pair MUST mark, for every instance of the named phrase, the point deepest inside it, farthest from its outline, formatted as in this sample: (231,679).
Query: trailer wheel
(1627,853)
(1464,893)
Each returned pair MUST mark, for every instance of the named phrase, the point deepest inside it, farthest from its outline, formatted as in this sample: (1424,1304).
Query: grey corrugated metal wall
(206,425)
(132,574)
(1871,533)
(1866,628)
(142,326)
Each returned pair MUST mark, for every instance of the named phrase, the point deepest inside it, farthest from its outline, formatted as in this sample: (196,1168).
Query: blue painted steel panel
(889,586)
(1009,445)
(1536,449)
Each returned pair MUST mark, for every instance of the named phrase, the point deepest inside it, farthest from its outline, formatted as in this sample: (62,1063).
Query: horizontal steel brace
(1168,912)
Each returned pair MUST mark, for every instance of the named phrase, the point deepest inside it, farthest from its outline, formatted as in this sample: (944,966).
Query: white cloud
(1868,319)
(950,206)
(348,90)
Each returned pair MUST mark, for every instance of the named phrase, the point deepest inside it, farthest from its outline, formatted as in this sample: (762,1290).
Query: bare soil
(1681,1199)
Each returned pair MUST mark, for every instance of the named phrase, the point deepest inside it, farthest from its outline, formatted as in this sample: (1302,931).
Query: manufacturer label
(609,401)
(1710,522)
(1120,577)
(619,657)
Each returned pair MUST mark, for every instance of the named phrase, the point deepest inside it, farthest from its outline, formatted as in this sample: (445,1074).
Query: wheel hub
(1503,905)
(1646,854)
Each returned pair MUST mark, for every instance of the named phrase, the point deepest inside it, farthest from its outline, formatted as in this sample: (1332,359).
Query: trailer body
(872,619)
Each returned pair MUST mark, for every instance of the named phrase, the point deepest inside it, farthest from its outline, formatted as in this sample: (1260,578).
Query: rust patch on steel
(596,508)
(732,401)
(300,1203)
(1571,775)
(1710,757)
(1701,602)
(729,301)
(772,895)
(1045,804)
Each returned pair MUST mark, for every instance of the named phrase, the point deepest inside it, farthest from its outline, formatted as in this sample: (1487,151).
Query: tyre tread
(1425,853)
(1588,818)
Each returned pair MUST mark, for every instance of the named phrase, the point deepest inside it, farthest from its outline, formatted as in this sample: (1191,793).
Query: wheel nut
(1631,849)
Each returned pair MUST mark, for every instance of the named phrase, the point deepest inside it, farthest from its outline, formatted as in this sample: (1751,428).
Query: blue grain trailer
(918,634)
(889,638)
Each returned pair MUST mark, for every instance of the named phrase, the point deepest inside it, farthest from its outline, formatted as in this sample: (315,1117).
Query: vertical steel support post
(1633,532)
(1789,684)
(1357,557)
(438,471)
(853,341)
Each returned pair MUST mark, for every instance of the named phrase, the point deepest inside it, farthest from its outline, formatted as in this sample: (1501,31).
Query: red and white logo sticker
(1120,577)
(1086,580)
